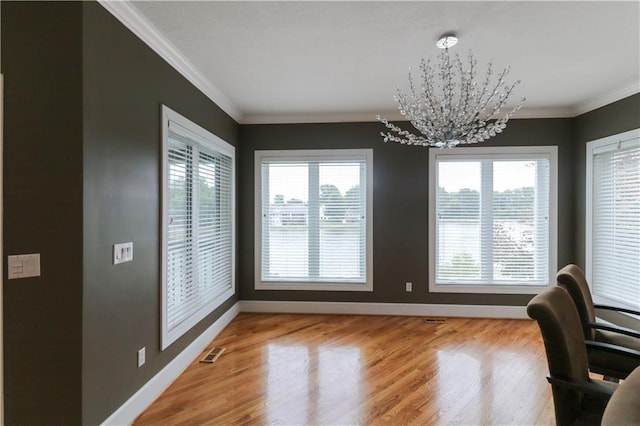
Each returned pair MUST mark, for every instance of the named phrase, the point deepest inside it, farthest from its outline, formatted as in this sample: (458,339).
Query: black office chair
(603,359)
(577,398)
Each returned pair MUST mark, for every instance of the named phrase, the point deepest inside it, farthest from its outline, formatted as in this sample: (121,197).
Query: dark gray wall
(82,172)
(609,120)
(42,67)
(124,85)
(400,206)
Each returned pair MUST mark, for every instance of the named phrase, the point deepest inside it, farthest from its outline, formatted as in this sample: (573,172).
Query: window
(613,219)
(492,226)
(313,220)
(198,222)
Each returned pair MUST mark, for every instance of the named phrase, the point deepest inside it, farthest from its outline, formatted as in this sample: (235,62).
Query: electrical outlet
(409,287)
(122,252)
(141,357)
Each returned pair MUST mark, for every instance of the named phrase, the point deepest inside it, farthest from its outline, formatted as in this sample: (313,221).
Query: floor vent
(434,320)
(212,356)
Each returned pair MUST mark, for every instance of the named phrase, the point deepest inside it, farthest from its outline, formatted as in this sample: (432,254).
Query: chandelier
(457,110)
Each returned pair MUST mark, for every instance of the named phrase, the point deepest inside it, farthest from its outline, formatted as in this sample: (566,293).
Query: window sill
(486,288)
(314,286)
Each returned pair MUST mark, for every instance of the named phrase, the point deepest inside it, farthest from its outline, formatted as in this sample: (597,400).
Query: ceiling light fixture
(456,110)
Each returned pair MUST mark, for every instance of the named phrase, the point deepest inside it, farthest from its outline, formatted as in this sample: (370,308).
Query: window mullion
(195,218)
(314,220)
(363,220)
(486,221)
(541,202)
(266,221)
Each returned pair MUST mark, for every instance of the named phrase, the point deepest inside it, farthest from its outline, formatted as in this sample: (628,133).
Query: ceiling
(304,61)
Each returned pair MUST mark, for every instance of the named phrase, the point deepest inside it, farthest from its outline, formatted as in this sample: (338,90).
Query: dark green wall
(400,206)
(42,67)
(609,120)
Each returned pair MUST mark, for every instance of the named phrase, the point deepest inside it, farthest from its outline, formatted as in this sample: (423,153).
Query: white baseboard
(130,410)
(412,309)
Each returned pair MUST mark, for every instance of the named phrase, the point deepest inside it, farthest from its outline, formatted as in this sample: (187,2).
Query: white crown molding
(606,99)
(347,117)
(145,31)
(410,309)
(134,406)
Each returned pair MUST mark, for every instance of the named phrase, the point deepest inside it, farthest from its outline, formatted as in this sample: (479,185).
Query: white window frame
(212,142)
(477,153)
(314,155)
(592,148)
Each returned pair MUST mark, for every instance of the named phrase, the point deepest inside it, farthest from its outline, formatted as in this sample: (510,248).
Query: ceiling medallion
(452,107)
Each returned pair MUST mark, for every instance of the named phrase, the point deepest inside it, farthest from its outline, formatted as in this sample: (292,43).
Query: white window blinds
(314,220)
(615,224)
(492,220)
(198,233)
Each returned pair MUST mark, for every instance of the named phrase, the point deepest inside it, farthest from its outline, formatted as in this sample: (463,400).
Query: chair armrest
(614,328)
(607,347)
(617,308)
(597,388)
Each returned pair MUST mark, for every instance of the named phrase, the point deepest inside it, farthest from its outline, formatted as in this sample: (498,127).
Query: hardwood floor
(338,369)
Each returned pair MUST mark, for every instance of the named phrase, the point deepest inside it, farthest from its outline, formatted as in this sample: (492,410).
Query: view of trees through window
(313,221)
(490,220)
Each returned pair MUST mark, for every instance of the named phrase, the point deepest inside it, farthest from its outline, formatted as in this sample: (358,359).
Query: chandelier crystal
(454,110)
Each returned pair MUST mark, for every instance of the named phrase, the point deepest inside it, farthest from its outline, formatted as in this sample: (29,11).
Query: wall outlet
(122,252)
(409,287)
(141,357)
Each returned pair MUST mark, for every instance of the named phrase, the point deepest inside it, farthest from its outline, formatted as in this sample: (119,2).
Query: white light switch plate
(23,266)
(122,252)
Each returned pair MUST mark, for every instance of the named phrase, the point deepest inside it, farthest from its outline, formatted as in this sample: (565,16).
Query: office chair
(577,398)
(623,408)
(615,363)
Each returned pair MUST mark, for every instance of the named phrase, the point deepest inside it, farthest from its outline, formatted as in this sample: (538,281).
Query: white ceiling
(303,61)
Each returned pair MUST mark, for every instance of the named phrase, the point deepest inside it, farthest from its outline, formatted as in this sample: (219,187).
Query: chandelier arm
(447,89)
(503,99)
(430,100)
(490,95)
(465,91)
(409,137)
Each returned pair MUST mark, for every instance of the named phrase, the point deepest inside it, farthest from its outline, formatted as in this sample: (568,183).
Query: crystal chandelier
(456,111)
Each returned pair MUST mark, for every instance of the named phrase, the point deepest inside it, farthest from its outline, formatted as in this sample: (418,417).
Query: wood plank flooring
(339,369)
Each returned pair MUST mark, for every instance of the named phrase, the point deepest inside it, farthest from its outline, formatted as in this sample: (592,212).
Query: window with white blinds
(198,224)
(613,219)
(313,220)
(492,219)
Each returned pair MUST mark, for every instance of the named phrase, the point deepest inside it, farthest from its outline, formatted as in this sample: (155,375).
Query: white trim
(151,390)
(592,148)
(408,309)
(1,254)
(129,16)
(475,153)
(206,139)
(606,99)
(313,155)
(392,115)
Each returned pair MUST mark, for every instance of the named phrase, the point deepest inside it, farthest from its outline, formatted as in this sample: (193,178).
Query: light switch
(23,266)
(122,252)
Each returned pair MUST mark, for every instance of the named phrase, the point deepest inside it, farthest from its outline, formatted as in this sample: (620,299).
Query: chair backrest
(573,280)
(561,331)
